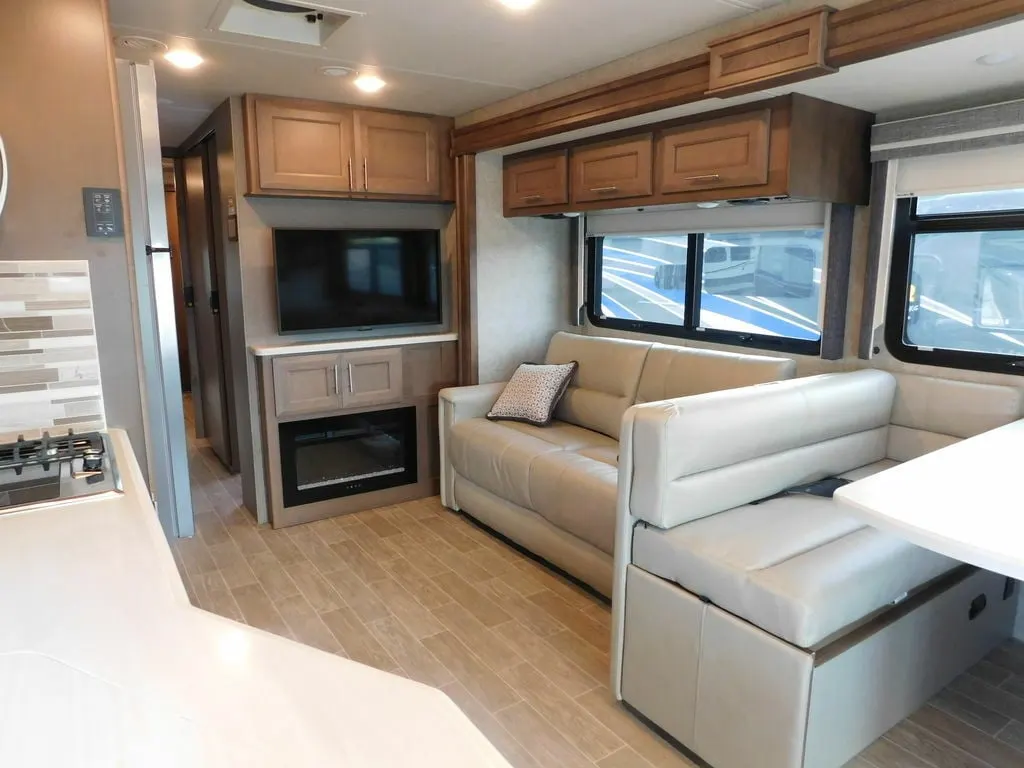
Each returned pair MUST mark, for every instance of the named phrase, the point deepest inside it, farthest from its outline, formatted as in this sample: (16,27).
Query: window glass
(766,283)
(644,278)
(966,291)
(971,202)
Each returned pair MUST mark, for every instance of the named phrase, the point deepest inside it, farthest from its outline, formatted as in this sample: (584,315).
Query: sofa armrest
(696,456)
(459,404)
(470,402)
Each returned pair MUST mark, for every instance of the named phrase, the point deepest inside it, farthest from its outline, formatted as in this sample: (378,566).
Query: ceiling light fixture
(518,5)
(369,83)
(183,58)
(996,58)
(335,70)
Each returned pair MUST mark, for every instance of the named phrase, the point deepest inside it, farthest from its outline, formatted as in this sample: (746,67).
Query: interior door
(210,352)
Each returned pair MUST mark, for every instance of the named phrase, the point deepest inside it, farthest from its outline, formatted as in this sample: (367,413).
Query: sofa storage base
(531,531)
(739,697)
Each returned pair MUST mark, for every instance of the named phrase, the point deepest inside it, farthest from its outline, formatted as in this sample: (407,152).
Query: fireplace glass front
(340,456)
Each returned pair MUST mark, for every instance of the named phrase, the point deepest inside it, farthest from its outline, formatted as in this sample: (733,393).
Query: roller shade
(725,218)
(980,169)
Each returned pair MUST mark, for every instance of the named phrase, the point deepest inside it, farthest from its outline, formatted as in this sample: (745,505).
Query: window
(760,289)
(956,291)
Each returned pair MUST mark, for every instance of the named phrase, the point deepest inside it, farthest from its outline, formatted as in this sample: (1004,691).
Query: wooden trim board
(464,278)
(867,31)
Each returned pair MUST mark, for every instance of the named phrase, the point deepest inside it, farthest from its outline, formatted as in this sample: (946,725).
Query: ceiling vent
(303,23)
(140,44)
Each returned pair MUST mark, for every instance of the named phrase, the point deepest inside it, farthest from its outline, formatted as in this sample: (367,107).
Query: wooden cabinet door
(533,182)
(623,168)
(306,384)
(717,154)
(371,377)
(303,149)
(397,154)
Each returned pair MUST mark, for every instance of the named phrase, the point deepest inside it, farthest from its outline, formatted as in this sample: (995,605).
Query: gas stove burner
(42,452)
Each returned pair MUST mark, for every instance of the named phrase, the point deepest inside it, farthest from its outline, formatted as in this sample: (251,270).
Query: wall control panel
(103,216)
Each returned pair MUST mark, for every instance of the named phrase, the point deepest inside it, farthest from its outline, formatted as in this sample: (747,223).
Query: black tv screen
(330,279)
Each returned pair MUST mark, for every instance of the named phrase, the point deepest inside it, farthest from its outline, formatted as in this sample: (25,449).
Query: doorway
(209,367)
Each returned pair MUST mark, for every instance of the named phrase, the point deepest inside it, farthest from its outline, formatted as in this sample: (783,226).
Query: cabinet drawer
(730,152)
(537,181)
(306,384)
(372,377)
(614,170)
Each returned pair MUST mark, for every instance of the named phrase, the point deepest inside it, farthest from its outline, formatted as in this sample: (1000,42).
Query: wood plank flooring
(420,592)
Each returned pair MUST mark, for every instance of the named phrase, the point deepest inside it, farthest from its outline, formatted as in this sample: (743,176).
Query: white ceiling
(934,78)
(440,56)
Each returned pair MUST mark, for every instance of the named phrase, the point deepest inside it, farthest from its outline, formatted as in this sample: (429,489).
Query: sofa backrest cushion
(605,383)
(683,371)
(930,413)
(697,456)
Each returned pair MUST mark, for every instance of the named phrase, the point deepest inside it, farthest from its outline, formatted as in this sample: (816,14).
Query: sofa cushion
(608,455)
(929,413)
(568,436)
(606,382)
(671,372)
(497,457)
(795,566)
(577,494)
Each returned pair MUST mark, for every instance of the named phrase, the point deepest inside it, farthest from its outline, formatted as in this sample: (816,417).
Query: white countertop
(963,501)
(311,348)
(104,662)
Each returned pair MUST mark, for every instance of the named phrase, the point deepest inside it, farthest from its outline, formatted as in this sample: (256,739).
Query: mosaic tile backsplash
(49,364)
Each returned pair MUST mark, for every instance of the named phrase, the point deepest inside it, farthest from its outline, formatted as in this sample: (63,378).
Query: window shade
(725,218)
(980,169)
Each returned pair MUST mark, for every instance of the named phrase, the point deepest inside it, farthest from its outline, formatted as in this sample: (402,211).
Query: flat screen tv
(333,279)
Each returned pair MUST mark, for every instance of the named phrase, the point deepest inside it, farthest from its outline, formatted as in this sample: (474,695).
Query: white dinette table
(965,501)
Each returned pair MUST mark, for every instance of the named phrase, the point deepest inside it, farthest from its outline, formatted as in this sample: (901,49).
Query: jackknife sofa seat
(784,633)
(553,489)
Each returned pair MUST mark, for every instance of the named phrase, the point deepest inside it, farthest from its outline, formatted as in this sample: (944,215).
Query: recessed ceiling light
(996,58)
(183,58)
(336,71)
(369,83)
(708,205)
(518,5)
(141,44)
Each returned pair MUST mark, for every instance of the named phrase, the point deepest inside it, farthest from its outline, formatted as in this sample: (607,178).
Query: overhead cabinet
(718,154)
(613,170)
(537,181)
(319,149)
(788,147)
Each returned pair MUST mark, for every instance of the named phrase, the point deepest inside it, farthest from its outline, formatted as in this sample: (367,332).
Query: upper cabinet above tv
(787,147)
(299,148)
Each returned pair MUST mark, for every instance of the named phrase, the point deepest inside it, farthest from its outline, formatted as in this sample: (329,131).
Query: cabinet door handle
(603,190)
(366,178)
(350,390)
(337,389)
(532,198)
(705,177)
(350,184)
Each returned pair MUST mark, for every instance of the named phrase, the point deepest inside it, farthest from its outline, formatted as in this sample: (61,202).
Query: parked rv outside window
(760,289)
(956,291)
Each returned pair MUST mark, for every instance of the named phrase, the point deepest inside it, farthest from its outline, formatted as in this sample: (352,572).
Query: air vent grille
(140,44)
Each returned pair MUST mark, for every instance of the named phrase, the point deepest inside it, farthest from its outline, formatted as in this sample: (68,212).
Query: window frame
(907,224)
(691,309)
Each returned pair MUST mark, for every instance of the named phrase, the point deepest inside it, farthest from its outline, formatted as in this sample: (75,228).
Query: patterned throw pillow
(532,393)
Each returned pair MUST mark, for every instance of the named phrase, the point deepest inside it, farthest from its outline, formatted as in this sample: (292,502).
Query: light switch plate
(103,215)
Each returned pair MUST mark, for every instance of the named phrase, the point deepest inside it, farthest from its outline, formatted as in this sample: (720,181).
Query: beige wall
(57,117)
(522,279)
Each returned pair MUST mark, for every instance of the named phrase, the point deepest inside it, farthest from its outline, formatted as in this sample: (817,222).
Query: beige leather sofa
(786,634)
(553,489)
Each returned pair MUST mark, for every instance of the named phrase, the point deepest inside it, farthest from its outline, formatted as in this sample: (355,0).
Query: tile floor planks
(419,591)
